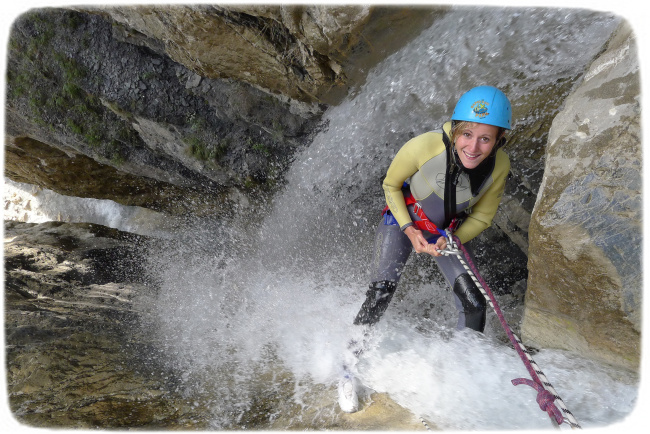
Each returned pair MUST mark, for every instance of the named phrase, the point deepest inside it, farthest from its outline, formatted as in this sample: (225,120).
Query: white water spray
(285,298)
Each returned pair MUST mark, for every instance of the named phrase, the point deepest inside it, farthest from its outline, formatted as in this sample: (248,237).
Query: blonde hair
(458,127)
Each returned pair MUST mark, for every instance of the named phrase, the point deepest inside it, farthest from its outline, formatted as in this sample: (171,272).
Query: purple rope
(545,399)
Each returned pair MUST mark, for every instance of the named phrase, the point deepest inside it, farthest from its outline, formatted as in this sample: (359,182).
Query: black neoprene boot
(378,297)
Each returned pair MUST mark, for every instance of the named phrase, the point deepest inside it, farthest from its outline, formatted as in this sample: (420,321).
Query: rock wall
(290,51)
(69,291)
(302,52)
(585,275)
(186,105)
(75,87)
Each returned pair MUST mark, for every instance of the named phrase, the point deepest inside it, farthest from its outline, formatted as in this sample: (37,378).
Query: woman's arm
(407,161)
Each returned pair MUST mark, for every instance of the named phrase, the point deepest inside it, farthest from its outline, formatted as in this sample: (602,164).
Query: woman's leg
(391,251)
(470,302)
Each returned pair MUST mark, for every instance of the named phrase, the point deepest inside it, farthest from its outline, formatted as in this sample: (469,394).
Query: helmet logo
(480,108)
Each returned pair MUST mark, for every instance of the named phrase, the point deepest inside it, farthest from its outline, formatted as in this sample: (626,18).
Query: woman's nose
(474,145)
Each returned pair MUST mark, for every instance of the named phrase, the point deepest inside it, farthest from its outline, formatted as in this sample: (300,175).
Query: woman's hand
(441,244)
(421,245)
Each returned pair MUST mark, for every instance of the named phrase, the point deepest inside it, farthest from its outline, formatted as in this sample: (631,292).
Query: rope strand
(547,397)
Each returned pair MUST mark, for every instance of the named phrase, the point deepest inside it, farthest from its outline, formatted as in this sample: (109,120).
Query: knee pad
(378,297)
(470,296)
(473,302)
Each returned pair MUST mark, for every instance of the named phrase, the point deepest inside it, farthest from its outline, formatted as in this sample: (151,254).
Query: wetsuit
(428,168)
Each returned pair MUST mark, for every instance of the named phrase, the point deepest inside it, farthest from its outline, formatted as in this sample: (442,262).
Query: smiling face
(474,142)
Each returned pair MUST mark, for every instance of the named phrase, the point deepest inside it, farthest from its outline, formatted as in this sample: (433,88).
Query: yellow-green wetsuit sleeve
(486,208)
(407,161)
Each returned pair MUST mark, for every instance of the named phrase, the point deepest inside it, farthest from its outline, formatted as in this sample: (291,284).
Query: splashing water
(463,381)
(251,312)
(282,300)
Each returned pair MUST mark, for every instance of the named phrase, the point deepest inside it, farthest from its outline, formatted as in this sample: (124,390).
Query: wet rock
(160,134)
(71,173)
(74,356)
(196,99)
(78,355)
(584,287)
(300,52)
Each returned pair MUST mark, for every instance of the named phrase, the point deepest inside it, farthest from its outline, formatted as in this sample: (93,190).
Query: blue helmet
(485,105)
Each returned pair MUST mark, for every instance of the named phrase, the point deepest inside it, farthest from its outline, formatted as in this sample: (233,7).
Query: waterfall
(262,307)
(275,298)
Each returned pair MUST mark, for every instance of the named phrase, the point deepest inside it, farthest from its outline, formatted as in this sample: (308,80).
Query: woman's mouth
(471,156)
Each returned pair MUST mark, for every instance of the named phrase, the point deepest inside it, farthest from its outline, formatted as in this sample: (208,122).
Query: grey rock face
(585,235)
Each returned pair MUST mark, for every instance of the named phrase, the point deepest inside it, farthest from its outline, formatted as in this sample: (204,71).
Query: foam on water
(462,380)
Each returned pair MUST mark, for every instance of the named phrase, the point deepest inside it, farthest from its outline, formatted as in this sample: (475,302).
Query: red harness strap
(424,224)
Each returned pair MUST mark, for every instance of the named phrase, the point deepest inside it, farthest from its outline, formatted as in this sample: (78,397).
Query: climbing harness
(547,397)
(424,224)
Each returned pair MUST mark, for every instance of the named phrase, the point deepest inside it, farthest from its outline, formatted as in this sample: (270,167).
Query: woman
(449,179)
